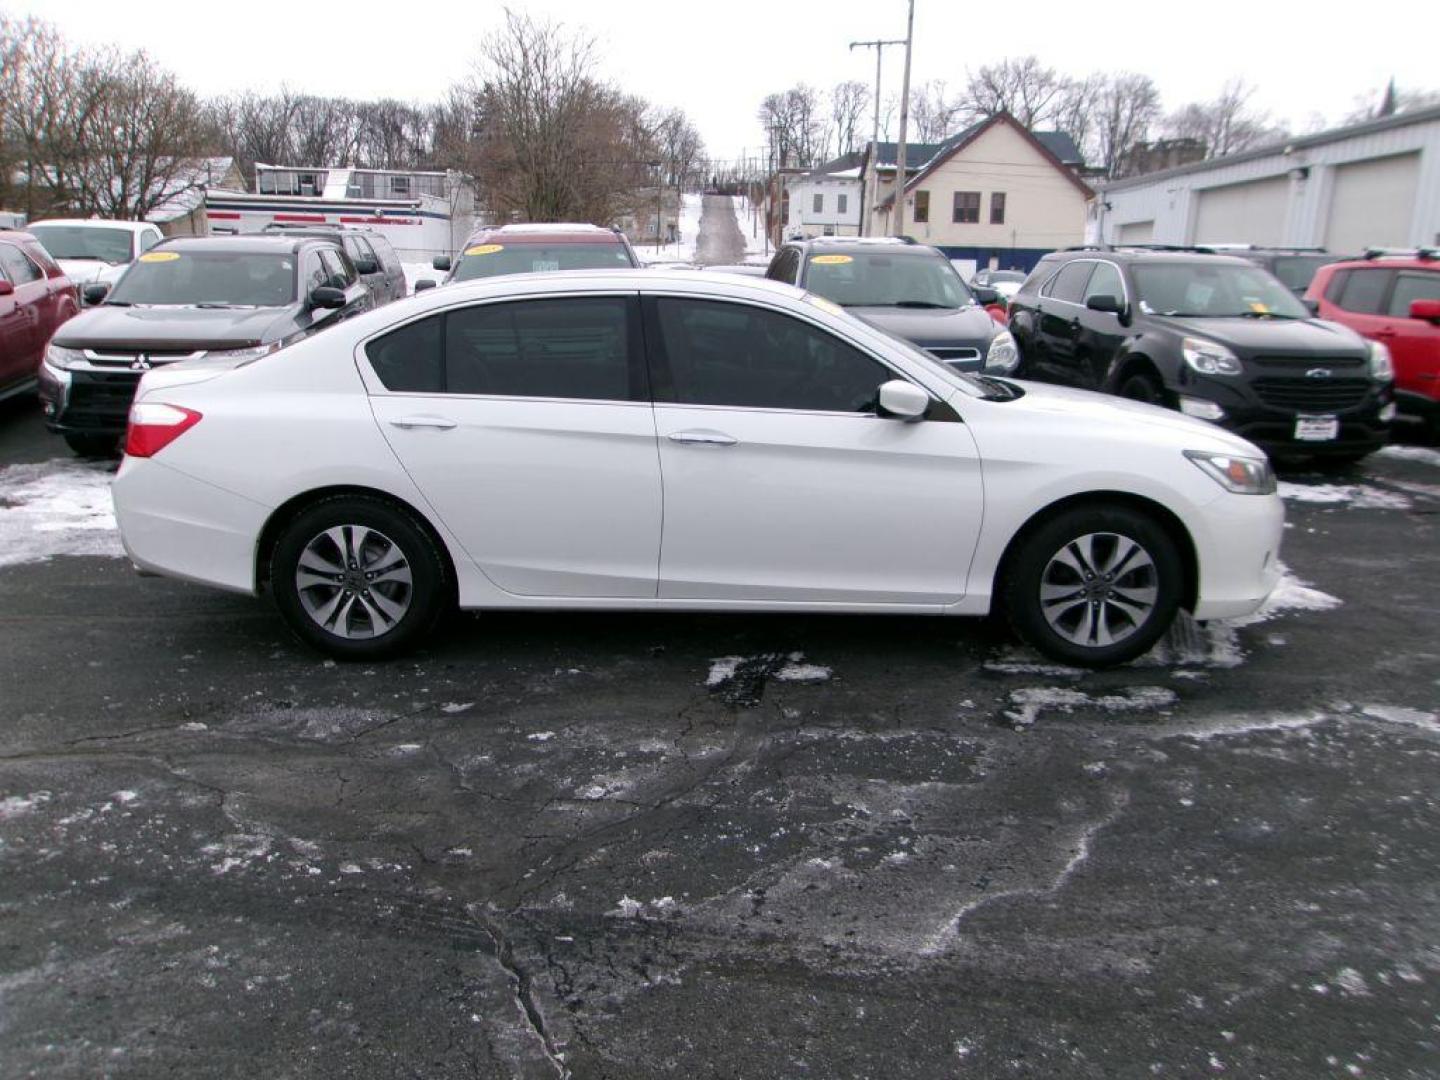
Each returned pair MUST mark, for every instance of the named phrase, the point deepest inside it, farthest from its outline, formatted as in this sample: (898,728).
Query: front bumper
(87,402)
(1237,548)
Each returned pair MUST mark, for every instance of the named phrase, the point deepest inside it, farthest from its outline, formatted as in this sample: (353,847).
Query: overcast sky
(717,60)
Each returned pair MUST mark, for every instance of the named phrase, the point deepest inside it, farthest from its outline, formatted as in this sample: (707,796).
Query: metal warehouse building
(1375,183)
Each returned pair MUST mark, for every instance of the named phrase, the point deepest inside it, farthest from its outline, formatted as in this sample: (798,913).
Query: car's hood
(931,327)
(1100,411)
(88,271)
(173,329)
(1306,338)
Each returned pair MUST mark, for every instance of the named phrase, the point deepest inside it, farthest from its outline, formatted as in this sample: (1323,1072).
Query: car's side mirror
(327,296)
(95,292)
(440,262)
(903,400)
(423,284)
(1105,302)
(1429,310)
(984,295)
(366,266)
(6,288)
(1312,306)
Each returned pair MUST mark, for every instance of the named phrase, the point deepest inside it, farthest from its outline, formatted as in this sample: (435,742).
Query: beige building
(995,194)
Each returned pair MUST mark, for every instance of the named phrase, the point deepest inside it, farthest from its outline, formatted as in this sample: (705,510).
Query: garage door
(1373,203)
(1135,232)
(1252,213)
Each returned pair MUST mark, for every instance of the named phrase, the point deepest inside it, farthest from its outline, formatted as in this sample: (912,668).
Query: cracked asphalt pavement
(599,845)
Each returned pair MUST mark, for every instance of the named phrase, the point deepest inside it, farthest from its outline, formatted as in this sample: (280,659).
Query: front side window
(922,207)
(997,208)
(572,348)
(493,260)
(1214,291)
(967,208)
(878,279)
(752,358)
(213,278)
(337,269)
(82,242)
(1069,284)
(19,270)
(1105,281)
(148,240)
(1421,285)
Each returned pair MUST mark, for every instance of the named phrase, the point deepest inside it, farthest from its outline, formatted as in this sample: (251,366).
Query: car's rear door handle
(1386,331)
(408,422)
(710,438)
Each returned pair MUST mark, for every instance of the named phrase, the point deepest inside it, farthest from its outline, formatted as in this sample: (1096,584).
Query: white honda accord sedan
(625,440)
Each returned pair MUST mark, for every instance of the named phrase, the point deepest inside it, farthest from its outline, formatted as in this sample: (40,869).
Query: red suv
(1393,298)
(35,298)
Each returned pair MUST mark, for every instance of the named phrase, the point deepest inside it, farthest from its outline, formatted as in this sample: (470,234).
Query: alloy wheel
(354,581)
(1099,589)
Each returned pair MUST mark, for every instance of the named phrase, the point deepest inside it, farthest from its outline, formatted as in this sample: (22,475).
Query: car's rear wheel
(1095,586)
(358,578)
(1142,386)
(93,446)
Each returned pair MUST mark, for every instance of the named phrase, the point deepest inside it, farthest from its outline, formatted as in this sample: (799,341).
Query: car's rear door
(781,481)
(527,423)
(33,313)
(1058,325)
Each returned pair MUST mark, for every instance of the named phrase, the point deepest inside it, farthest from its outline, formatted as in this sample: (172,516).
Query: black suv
(223,299)
(905,288)
(1214,336)
(1294,266)
(374,257)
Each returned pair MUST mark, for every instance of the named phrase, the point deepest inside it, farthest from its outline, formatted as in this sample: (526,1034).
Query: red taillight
(155,425)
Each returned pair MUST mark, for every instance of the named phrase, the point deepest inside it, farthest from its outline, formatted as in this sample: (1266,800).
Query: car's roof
(1166,255)
(96,223)
(1401,260)
(890,245)
(546,232)
(248,244)
(637,279)
(17,235)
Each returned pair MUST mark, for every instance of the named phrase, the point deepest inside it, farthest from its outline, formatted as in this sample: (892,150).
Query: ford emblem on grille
(142,363)
(1318,373)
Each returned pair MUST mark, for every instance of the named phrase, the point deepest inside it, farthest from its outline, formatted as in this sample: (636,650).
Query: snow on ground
(1422,454)
(684,249)
(1355,496)
(752,227)
(1291,594)
(56,508)
(1029,702)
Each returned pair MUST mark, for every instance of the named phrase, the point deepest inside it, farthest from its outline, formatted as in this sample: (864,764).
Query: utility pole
(904,116)
(867,212)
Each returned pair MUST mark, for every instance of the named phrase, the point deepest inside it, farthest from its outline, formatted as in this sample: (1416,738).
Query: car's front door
(1101,332)
(1414,344)
(1058,324)
(782,483)
(527,425)
(26,330)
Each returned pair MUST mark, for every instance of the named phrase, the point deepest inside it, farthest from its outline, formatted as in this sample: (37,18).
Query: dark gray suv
(907,289)
(374,258)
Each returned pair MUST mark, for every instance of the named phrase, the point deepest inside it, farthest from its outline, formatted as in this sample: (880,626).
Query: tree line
(544,137)
(1112,117)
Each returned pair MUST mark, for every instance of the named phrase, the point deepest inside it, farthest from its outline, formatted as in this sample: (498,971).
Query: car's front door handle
(1386,331)
(409,422)
(710,438)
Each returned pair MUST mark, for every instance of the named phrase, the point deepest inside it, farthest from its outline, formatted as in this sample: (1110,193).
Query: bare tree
(1226,125)
(1128,105)
(1021,86)
(1388,100)
(794,125)
(933,112)
(1075,112)
(849,102)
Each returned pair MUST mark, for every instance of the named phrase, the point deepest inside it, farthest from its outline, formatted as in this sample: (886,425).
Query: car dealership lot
(628,846)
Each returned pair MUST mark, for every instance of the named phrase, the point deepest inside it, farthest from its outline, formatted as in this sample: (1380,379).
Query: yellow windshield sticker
(484,249)
(830,260)
(160,256)
(1259,308)
(820,301)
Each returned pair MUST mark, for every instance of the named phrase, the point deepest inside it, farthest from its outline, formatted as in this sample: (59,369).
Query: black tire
(360,519)
(1142,386)
(1129,637)
(93,446)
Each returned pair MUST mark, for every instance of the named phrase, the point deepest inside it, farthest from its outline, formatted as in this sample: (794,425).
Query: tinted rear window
(492,260)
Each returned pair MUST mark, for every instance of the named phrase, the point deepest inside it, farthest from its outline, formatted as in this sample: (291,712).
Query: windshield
(1216,292)
(492,260)
(874,279)
(224,279)
(79,242)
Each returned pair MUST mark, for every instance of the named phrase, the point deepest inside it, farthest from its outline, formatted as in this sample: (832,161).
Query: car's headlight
(58,356)
(1242,475)
(1210,357)
(1003,356)
(1381,369)
(253,353)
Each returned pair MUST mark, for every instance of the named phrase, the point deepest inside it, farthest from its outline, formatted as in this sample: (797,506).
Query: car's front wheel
(358,577)
(1095,585)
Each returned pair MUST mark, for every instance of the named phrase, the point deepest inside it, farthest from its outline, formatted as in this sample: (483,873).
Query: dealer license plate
(1316,428)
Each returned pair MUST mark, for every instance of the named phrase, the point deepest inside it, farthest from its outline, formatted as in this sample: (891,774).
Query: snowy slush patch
(1400,714)
(57,508)
(1291,594)
(1031,701)
(1422,454)
(722,669)
(1355,496)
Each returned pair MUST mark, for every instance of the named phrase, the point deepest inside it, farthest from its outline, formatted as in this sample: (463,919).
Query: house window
(967,208)
(841,201)
(819,204)
(922,207)
(997,208)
